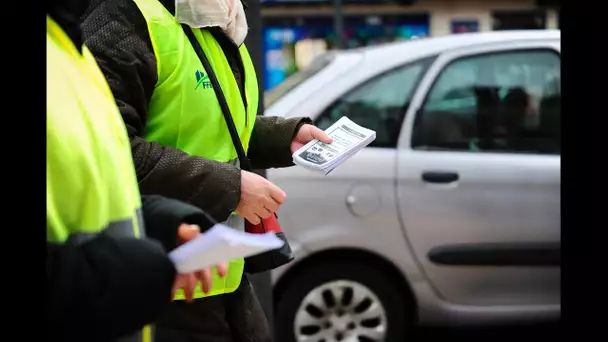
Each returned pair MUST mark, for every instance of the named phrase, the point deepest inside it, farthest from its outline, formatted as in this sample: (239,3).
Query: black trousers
(233,317)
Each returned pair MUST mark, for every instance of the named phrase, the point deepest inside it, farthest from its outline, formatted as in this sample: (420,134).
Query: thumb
(320,135)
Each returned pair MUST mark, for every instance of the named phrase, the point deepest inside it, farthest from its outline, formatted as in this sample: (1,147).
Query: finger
(264,213)
(199,275)
(187,232)
(190,286)
(272,206)
(253,219)
(178,284)
(207,280)
(222,269)
(320,135)
(276,193)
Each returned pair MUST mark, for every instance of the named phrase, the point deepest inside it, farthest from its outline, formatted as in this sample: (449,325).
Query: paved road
(540,332)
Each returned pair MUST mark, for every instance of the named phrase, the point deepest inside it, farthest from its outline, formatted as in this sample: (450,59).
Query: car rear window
(318,64)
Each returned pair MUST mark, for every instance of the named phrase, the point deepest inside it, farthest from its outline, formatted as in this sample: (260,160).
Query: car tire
(305,286)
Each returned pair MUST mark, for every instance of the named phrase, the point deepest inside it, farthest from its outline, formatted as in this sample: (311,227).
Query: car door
(355,205)
(479,175)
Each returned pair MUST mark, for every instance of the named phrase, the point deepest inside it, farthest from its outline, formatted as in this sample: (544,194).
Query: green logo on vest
(202,79)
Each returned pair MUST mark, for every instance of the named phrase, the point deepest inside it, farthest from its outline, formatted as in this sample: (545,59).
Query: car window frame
(436,72)
(427,61)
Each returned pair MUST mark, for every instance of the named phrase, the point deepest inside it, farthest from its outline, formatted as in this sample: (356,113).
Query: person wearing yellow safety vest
(180,141)
(104,279)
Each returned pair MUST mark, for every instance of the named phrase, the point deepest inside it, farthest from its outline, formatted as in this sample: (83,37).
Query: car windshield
(318,64)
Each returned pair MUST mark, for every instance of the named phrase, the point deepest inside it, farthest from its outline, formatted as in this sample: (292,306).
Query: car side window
(500,102)
(379,104)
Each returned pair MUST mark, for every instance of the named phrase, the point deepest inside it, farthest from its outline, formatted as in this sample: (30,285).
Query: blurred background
(296,31)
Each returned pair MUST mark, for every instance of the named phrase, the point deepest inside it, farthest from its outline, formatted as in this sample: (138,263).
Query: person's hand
(259,197)
(188,281)
(306,134)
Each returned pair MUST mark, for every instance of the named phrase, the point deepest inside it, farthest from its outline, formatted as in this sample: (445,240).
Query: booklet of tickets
(348,139)
(220,244)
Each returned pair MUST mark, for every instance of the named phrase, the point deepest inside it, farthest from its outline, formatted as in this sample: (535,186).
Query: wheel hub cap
(340,311)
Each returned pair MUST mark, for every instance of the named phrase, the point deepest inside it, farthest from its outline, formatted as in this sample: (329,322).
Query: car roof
(416,48)
(356,65)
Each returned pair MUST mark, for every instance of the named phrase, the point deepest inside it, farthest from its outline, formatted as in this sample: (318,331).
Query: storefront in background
(519,20)
(295,31)
(291,43)
(464,26)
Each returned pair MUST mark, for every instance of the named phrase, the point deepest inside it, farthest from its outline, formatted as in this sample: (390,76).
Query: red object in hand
(270,259)
(267,225)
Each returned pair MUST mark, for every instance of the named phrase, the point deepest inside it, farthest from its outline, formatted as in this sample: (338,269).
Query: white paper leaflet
(348,139)
(220,244)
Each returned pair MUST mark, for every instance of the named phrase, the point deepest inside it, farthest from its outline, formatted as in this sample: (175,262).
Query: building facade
(295,31)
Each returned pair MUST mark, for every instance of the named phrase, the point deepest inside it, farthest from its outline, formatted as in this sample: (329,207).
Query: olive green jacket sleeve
(270,144)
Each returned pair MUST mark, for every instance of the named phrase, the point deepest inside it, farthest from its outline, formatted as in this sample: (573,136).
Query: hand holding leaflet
(220,244)
(348,139)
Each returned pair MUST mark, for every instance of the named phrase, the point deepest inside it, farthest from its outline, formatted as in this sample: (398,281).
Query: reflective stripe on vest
(91,183)
(184,113)
(117,229)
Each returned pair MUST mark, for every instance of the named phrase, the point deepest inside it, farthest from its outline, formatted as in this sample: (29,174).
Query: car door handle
(440,177)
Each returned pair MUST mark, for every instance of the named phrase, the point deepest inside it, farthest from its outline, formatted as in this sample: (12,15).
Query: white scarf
(229,15)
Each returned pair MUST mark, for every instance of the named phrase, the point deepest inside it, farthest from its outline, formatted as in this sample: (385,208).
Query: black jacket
(116,33)
(108,287)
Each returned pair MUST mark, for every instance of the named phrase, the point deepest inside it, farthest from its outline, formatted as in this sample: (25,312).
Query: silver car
(452,215)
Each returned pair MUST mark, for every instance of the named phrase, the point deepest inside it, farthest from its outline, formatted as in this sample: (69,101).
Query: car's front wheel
(342,301)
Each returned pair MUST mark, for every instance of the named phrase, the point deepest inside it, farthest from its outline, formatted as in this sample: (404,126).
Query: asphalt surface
(544,332)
